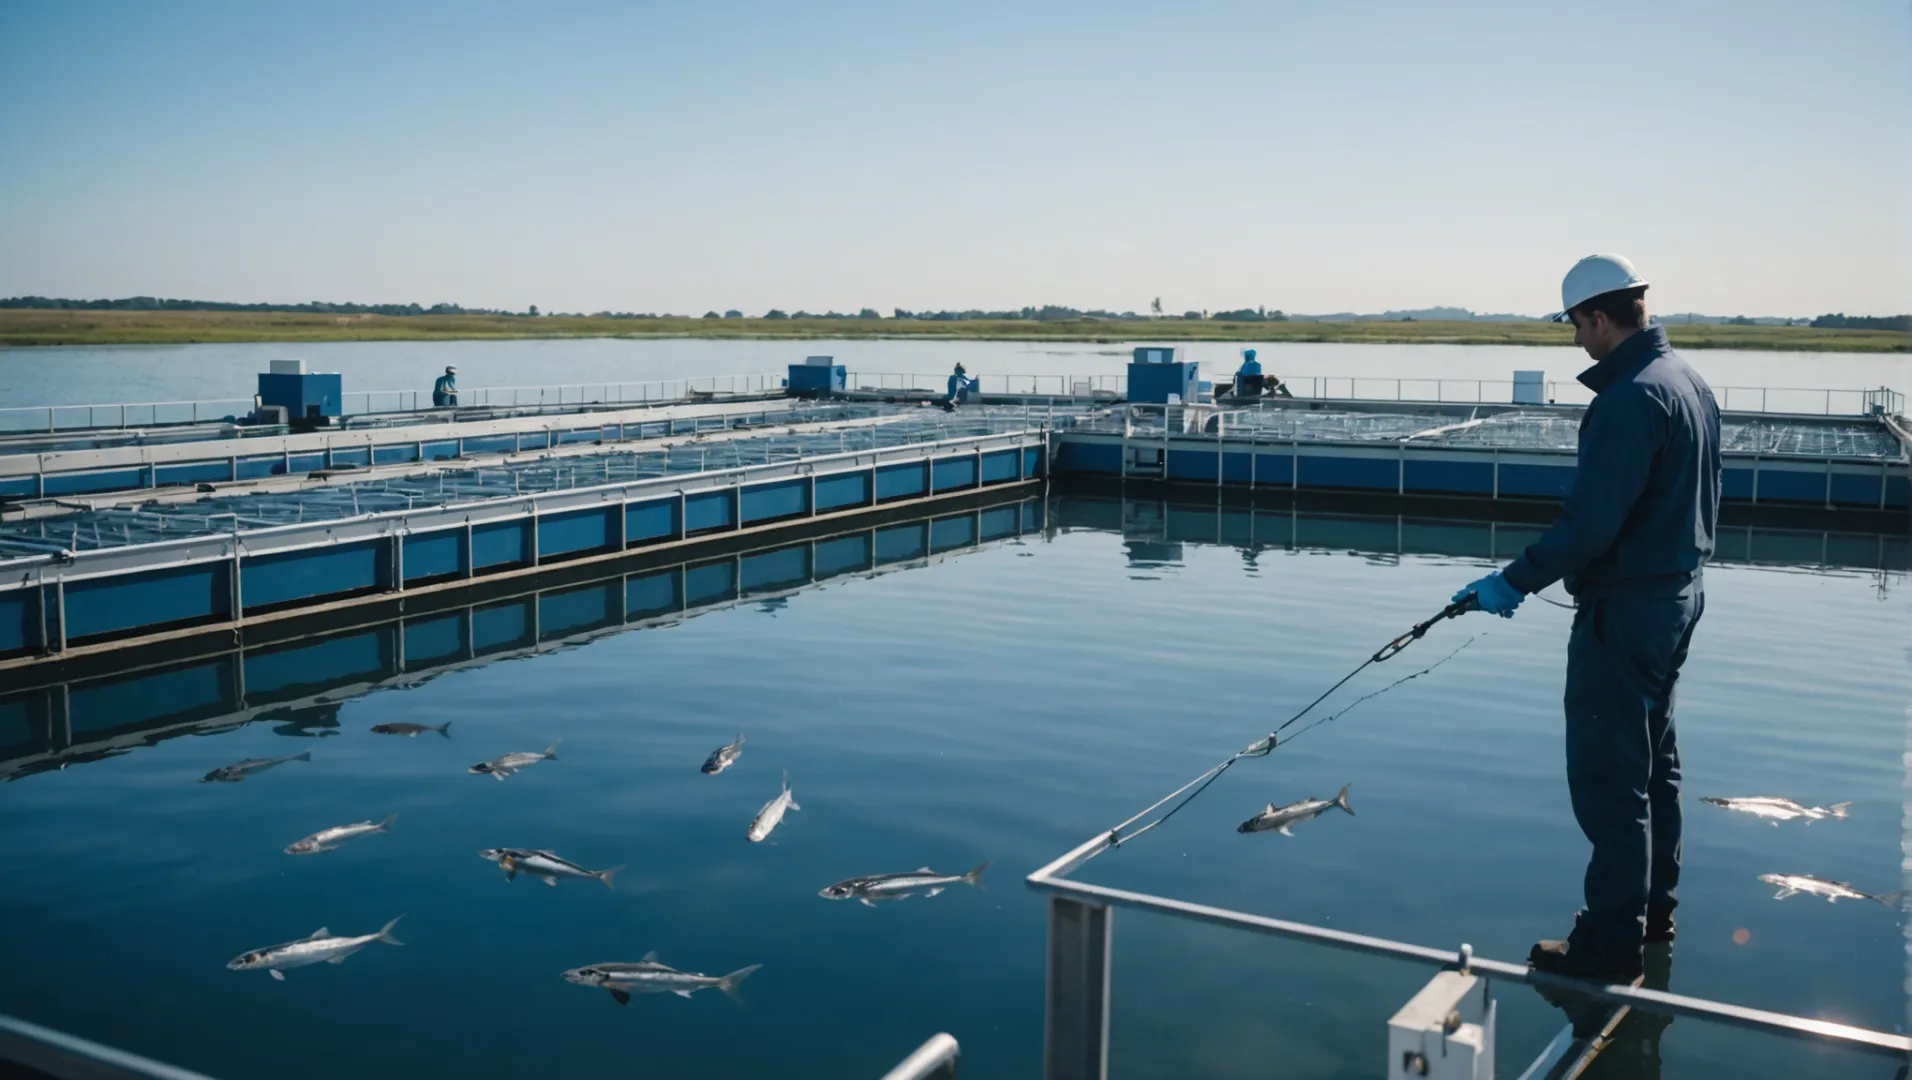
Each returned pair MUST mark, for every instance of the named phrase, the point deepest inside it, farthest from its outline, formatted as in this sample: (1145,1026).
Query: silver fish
(1777,810)
(1279,818)
(648,976)
(771,815)
(724,756)
(502,767)
(1833,891)
(874,887)
(545,865)
(328,839)
(320,948)
(239,770)
(412,730)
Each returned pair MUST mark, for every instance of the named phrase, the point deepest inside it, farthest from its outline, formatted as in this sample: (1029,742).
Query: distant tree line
(1901,323)
(311,307)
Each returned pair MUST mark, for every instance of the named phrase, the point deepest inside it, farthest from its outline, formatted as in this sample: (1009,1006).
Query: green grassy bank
(38,327)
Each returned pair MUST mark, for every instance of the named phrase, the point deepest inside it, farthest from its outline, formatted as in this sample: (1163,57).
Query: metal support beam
(1076,1027)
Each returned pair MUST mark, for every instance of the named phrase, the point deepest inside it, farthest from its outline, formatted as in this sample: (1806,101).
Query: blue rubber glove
(1496,595)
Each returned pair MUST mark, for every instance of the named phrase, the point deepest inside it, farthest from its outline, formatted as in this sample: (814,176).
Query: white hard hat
(1592,276)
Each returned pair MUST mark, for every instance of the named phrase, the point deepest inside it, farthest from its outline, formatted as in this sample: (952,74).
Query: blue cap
(1248,354)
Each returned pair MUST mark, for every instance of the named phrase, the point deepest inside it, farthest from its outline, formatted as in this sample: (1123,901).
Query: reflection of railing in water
(301,682)
(1160,525)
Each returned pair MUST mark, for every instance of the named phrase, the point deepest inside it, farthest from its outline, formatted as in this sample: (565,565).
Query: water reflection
(297,686)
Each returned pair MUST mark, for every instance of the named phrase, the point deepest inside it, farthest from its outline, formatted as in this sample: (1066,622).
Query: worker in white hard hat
(1629,543)
(445,390)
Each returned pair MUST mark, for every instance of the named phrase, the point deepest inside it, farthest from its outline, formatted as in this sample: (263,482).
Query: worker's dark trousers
(1623,760)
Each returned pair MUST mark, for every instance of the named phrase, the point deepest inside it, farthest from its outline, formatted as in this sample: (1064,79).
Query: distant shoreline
(28,327)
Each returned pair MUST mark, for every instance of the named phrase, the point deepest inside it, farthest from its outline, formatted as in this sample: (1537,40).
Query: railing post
(1076,1023)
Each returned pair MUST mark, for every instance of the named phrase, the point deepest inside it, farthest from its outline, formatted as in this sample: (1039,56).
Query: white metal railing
(1076,1026)
(24,418)
(934,1060)
(1082,386)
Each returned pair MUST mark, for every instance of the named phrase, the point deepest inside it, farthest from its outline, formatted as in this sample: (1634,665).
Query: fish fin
(740,738)
(1832,899)
(1284,831)
(606,875)
(728,984)
(924,870)
(277,975)
(681,993)
(1784,893)
(321,932)
(650,958)
(975,875)
(622,997)
(933,892)
(336,960)
(499,775)
(385,933)
(1891,899)
(386,825)
(445,729)
(1270,809)
(792,804)
(865,901)
(1341,800)
(551,752)
(303,755)
(551,881)
(1838,809)
(511,873)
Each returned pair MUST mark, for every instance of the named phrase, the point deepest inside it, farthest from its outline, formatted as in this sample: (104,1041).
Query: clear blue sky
(1750,157)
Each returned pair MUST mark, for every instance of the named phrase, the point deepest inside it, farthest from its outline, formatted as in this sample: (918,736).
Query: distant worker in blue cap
(1629,544)
(445,390)
(960,384)
(1251,383)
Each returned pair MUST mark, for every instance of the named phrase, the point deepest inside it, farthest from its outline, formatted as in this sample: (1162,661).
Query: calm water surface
(82,375)
(1002,705)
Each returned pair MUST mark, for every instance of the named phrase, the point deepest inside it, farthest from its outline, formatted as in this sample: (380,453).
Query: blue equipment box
(814,380)
(1158,371)
(304,396)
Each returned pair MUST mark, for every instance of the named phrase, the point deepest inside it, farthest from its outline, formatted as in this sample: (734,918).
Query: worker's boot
(1582,955)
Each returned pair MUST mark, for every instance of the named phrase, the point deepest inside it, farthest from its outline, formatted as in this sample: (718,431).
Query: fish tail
(728,984)
(1891,899)
(740,738)
(975,876)
(445,729)
(386,825)
(303,755)
(385,933)
(606,875)
(1838,809)
(551,752)
(1341,800)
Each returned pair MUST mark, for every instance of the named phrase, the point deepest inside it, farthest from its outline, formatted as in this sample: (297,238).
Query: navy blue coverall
(445,391)
(1629,544)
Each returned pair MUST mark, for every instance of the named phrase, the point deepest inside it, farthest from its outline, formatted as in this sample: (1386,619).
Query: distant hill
(1433,314)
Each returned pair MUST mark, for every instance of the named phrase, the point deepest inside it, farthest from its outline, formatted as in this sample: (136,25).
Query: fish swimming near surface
(1279,818)
(239,770)
(320,948)
(546,865)
(724,756)
(1833,891)
(771,815)
(648,976)
(328,839)
(502,767)
(1777,810)
(413,730)
(921,881)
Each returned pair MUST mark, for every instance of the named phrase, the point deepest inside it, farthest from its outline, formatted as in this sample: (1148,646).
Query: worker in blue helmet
(1248,378)
(445,390)
(1629,544)
(960,384)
